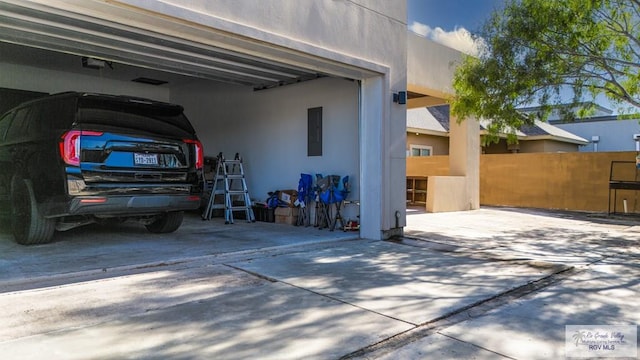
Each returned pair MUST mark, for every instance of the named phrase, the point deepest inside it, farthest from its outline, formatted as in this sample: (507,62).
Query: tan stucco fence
(567,181)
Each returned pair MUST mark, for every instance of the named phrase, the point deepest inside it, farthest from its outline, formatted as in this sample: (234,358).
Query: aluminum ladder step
(228,174)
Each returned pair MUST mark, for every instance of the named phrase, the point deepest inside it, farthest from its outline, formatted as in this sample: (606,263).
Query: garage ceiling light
(149,81)
(92,63)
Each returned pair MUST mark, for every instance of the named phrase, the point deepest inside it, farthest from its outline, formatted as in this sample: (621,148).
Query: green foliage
(629,116)
(536,50)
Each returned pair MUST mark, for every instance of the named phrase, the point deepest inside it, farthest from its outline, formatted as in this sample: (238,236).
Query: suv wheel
(167,223)
(29,227)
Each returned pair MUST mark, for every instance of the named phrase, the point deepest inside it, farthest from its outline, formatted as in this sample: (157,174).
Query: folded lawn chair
(332,194)
(305,189)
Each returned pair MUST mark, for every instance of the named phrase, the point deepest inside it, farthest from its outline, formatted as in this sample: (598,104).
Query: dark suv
(75,158)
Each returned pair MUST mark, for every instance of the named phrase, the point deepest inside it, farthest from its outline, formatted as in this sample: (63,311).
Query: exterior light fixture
(400,97)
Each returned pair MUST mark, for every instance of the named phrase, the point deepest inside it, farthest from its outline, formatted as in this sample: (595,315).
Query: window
(19,125)
(420,150)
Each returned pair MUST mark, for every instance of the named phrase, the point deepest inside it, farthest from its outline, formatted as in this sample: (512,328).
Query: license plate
(145,159)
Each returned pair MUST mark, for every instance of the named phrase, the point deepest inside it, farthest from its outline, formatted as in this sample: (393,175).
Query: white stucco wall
(269,130)
(366,29)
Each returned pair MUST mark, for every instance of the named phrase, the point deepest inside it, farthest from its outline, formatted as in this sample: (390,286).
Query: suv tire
(167,223)
(29,227)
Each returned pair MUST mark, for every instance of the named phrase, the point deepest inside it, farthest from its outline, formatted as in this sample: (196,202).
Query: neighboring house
(428,134)
(606,133)
(604,130)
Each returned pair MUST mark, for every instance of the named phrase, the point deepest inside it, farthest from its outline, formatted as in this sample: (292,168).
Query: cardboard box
(288,197)
(263,213)
(286,215)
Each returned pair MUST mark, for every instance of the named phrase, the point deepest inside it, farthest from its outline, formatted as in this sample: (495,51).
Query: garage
(245,90)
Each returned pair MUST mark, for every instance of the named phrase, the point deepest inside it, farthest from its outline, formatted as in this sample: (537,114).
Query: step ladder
(229,191)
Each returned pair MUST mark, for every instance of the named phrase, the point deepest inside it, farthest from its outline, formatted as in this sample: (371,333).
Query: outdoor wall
(15,76)
(428,166)
(269,129)
(571,181)
(548,146)
(531,146)
(440,144)
(568,181)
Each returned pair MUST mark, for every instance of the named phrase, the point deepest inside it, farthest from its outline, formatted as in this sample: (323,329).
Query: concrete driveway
(485,284)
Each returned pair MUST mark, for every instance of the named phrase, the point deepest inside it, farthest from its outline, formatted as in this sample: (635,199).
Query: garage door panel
(144,54)
(86,36)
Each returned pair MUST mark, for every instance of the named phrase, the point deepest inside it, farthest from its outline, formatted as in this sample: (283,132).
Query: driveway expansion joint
(477,346)
(474,310)
(252,273)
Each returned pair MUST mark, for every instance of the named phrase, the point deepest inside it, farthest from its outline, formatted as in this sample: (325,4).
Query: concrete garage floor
(486,284)
(96,247)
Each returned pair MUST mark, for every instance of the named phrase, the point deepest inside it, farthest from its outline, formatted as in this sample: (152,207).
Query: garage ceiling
(72,64)
(213,56)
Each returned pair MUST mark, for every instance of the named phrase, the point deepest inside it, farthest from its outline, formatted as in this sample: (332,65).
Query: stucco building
(603,130)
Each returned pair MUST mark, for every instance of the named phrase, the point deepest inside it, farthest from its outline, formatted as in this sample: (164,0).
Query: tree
(536,50)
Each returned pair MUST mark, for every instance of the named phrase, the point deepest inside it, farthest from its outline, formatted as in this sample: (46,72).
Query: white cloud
(420,28)
(459,39)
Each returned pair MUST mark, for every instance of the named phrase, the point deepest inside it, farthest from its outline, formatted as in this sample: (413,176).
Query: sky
(450,22)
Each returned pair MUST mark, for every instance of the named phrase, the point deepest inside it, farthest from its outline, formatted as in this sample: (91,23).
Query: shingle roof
(421,118)
(441,113)
(560,133)
(532,130)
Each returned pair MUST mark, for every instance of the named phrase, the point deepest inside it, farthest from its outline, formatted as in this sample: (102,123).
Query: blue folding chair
(331,197)
(321,218)
(305,188)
